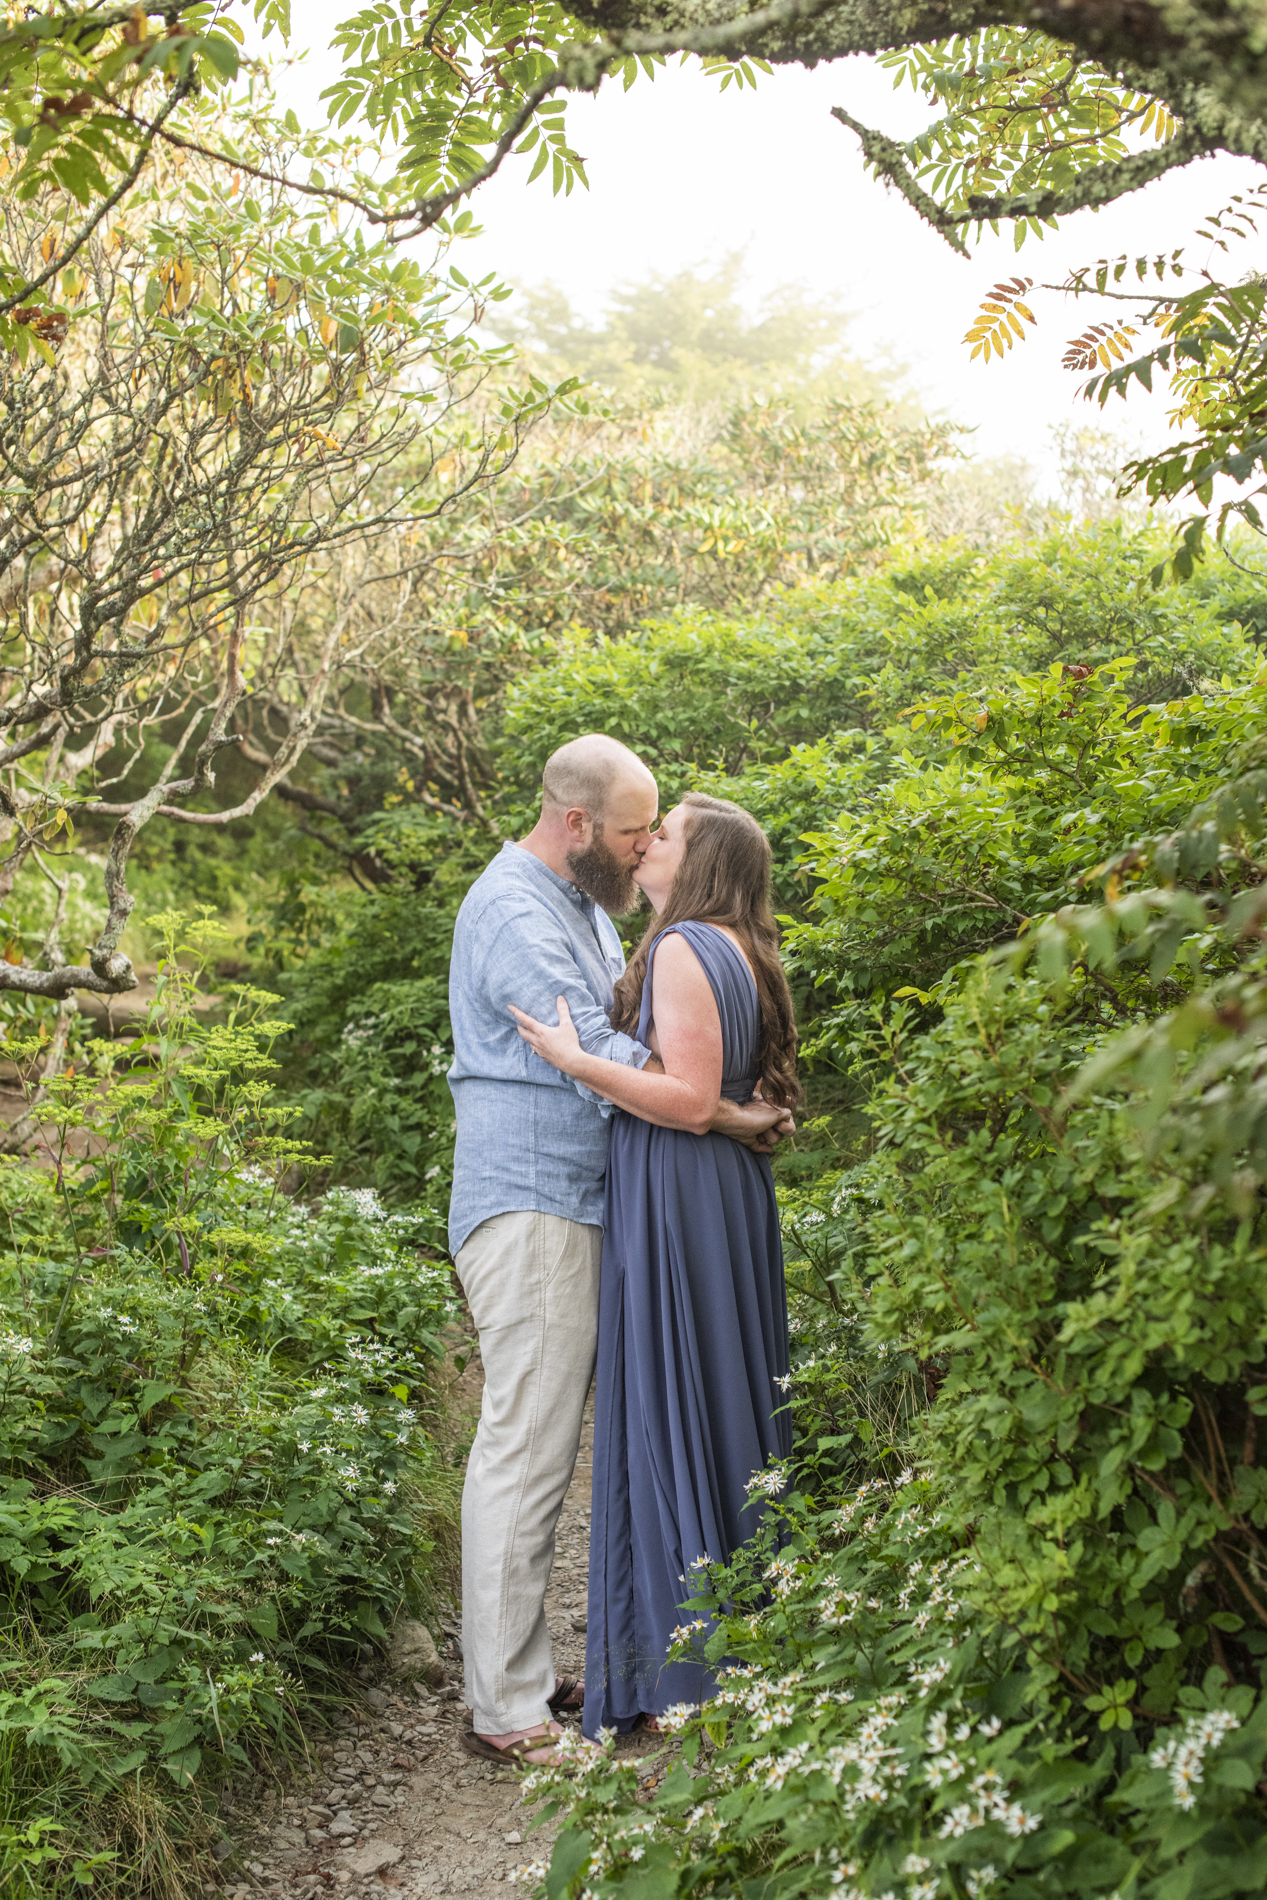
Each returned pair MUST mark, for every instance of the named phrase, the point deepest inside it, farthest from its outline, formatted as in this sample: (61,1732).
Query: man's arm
(531,964)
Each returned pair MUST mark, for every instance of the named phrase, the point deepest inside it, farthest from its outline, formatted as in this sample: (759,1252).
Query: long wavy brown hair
(724,878)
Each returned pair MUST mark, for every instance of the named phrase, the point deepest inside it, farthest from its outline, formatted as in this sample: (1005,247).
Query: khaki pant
(531,1281)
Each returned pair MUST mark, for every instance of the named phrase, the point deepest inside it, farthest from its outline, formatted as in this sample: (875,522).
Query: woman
(692,1331)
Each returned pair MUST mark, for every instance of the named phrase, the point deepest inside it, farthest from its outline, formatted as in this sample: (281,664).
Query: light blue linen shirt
(529,1138)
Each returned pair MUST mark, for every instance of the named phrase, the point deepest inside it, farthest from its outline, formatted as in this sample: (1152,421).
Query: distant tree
(690,337)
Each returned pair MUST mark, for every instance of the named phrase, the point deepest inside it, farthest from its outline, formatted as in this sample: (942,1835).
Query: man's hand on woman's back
(755,1124)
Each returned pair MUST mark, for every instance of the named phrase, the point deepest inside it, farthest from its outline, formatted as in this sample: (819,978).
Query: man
(525,1221)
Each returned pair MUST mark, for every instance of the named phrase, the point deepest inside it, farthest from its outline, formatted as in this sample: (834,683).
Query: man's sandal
(516,1753)
(569,1693)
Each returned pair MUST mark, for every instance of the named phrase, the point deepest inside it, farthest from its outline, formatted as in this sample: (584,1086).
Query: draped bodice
(735,993)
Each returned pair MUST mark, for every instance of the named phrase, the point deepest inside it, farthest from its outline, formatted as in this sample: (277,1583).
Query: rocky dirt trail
(396,1805)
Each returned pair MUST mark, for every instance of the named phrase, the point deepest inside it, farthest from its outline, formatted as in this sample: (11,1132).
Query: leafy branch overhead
(1211,346)
(1064,111)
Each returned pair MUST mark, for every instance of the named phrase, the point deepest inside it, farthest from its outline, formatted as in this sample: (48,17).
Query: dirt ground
(396,1804)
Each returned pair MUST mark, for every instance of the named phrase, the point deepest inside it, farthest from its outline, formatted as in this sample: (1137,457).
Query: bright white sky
(682,174)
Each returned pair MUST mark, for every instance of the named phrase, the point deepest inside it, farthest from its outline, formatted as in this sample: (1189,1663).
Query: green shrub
(702,693)
(225,1464)
(1005,798)
(876,1734)
(1033,1661)
(365,978)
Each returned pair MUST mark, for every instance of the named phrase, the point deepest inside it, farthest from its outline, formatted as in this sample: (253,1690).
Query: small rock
(372,1859)
(222,1849)
(378,1699)
(343,1828)
(412,1653)
(514,1839)
(316,1835)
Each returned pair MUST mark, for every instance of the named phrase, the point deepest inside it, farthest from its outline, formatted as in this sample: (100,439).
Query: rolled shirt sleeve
(531,967)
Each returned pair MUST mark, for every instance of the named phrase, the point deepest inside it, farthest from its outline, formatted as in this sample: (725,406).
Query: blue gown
(692,1334)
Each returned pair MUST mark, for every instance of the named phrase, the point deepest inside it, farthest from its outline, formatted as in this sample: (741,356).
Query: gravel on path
(396,1804)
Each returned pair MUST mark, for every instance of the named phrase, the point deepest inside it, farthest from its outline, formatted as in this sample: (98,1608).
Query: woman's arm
(688,1030)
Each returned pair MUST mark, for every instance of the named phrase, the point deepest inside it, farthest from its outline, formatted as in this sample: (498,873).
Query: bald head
(589,773)
(598,804)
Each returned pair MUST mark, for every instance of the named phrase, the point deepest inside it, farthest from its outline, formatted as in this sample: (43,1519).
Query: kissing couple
(613,1205)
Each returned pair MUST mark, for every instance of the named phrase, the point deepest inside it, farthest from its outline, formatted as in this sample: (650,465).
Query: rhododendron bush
(1004,1628)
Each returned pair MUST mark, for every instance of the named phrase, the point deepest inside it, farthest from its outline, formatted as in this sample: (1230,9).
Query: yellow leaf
(1025,311)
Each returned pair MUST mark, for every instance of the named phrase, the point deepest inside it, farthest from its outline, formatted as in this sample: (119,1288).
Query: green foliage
(1045,774)
(999,137)
(365,978)
(873,1731)
(1034,1661)
(224,1466)
(691,693)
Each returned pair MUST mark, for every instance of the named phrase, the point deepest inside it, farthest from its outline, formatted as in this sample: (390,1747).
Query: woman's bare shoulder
(676,954)
(679,972)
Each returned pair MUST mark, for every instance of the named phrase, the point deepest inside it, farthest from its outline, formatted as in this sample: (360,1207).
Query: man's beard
(598,872)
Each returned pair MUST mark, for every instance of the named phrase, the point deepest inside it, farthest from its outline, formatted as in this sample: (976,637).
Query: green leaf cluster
(223,1462)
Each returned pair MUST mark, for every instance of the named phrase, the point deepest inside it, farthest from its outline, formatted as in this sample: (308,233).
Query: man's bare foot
(651,1723)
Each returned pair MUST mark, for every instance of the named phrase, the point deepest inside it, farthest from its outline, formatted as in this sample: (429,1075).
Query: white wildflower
(1184,1755)
(960,1821)
(930,1677)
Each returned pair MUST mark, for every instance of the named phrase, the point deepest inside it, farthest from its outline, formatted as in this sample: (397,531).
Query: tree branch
(584,64)
(887,158)
(62,258)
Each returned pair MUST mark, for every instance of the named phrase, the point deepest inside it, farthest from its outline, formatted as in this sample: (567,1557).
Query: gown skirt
(692,1335)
